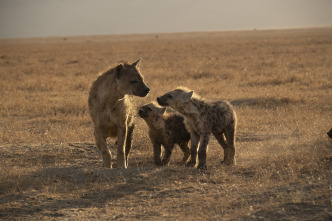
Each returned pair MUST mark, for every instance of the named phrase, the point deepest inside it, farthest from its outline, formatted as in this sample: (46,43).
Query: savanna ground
(280,83)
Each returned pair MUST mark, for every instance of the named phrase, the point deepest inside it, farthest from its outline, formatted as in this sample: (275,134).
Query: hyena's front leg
(122,139)
(193,149)
(202,151)
(168,153)
(102,146)
(129,142)
(157,153)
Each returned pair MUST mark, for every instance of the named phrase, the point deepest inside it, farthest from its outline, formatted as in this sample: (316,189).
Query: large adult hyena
(165,129)
(204,117)
(112,109)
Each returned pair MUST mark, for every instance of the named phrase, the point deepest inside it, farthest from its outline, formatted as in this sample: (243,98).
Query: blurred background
(41,18)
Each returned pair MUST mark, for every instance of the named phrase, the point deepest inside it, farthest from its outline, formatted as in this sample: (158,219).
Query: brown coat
(165,129)
(112,109)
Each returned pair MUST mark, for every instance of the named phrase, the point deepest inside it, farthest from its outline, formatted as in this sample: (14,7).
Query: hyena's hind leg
(167,155)
(102,146)
(186,151)
(219,135)
(230,137)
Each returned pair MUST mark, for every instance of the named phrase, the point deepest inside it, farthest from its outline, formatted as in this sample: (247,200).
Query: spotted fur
(202,118)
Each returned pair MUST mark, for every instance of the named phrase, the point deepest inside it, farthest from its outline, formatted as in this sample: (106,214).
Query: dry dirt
(280,83)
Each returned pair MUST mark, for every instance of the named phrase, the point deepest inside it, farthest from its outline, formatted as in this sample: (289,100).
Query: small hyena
(202,118)
(112,109)
(165,129)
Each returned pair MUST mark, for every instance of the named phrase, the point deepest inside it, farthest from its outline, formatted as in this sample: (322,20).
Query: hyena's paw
(158,162)
(202,166)
(164,162)
(107,159)
(190,163)
(228,163)
(109,166)
(185,159)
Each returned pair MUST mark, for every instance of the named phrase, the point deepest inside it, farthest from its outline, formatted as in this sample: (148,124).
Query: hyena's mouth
(161,103)
(142,93)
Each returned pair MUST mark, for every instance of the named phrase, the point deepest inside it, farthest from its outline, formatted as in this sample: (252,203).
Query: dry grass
(279,82)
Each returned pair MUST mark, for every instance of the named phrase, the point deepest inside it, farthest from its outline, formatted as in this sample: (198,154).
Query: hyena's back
(216,116)
(221,116)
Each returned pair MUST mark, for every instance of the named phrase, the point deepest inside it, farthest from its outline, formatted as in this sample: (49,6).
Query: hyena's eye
(133,82)
(169,96)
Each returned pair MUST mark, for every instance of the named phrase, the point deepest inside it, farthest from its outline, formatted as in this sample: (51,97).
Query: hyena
(202,118)
(165,129)
(112,109)
(330,133)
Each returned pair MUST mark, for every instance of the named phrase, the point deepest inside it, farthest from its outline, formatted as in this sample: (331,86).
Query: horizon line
(176,32)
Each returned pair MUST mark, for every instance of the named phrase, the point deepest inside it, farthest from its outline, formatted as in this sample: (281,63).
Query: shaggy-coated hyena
(202,118)
(165,129)
(112,109)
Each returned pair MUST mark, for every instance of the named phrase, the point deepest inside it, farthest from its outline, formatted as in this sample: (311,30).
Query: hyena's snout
(142,91)
(162,101)
(146,90)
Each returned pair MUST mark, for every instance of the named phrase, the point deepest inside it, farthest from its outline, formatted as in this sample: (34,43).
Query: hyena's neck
(106,90)
(190,109)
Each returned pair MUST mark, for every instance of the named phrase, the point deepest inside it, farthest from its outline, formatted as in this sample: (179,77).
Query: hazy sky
(36,18)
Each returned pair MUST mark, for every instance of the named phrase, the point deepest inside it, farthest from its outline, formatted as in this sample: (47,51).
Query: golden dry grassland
(279,81)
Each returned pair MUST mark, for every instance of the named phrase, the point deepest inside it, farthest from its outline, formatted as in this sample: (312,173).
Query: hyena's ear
(187,97)
(136,63)
(161,111)
(119,69)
